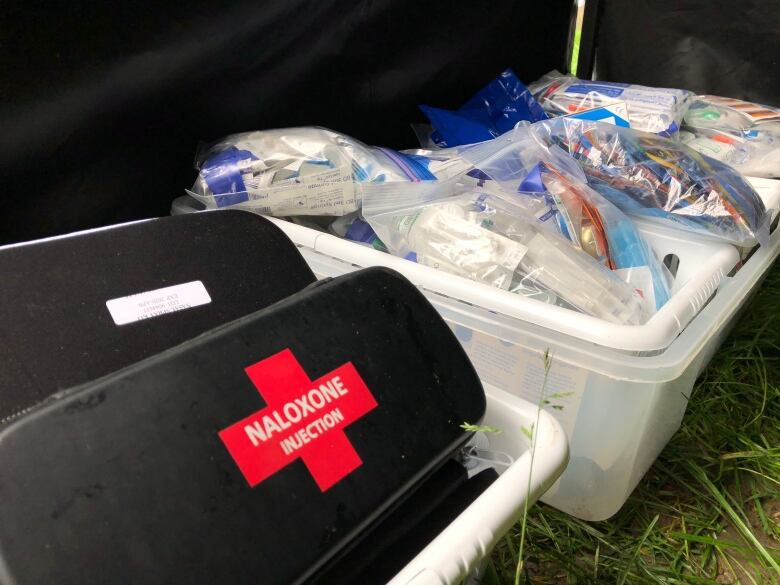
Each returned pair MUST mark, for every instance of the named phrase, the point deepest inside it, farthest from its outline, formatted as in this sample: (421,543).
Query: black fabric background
(723,48)
(102,104)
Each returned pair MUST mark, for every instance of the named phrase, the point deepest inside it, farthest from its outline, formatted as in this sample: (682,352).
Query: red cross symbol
(304,419)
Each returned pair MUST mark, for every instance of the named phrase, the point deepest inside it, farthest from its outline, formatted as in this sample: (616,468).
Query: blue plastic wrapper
(495,109)
(355,229)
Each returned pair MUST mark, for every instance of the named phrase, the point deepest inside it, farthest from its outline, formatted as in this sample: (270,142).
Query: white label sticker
(329,192)
(153,303)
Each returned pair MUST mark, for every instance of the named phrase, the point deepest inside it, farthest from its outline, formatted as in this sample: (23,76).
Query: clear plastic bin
(619,392)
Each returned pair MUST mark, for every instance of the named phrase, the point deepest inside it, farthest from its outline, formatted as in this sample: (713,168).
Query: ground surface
(709,509)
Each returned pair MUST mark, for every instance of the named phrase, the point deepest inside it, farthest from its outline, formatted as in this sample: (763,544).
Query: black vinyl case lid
(251,454)
(56,331)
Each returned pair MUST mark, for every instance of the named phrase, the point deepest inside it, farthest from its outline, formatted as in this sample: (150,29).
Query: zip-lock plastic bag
(650,109)
(741,134)
(496,108)
(299,171)
(657,178)
(480,235)
(551,187)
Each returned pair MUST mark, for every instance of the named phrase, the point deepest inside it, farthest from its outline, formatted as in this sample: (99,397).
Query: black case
(55,329)
(131,480)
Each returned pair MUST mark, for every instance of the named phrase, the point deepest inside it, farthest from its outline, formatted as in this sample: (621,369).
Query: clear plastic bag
(657,178)
(299,171)
(549,186)
(650,109)
(483,236)
(741,134)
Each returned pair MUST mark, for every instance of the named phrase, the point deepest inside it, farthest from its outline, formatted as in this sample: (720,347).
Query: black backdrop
(102,104)
(721,47)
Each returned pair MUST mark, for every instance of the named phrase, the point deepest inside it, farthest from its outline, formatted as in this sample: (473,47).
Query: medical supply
(741,134)
(299,171)
(493,110)
(485,237)
(551,187)
(650,109)
(599,228)
(657,178)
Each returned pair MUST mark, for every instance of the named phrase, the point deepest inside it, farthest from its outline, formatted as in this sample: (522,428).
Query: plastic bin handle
(468,539)
(689,300)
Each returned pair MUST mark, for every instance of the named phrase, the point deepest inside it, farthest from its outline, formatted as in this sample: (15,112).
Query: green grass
(708,511)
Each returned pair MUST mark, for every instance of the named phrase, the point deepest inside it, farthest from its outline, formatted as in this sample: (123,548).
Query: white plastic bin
(619,391)
(702,265)
(472,535)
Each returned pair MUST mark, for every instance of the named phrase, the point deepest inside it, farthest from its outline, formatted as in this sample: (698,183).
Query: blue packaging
(493,110)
